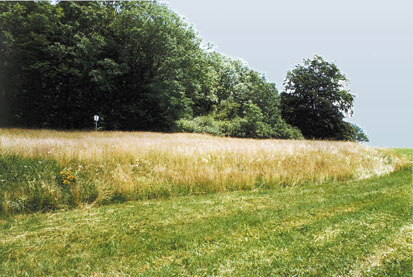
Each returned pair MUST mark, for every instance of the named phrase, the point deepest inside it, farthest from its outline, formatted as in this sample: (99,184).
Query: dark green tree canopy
(136,64)
(140,66)
(315,100)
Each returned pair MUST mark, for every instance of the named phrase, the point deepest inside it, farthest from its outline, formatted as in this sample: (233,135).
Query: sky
(371,42)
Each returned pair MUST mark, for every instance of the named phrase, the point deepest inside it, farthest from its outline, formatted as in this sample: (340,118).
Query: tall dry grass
(134,165)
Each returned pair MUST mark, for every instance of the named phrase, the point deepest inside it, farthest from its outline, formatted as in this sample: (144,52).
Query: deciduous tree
(316,100)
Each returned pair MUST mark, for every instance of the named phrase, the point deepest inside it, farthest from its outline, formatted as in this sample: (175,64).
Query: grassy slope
(360,228)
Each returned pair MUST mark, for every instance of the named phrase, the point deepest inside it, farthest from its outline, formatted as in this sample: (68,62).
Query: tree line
(140,66)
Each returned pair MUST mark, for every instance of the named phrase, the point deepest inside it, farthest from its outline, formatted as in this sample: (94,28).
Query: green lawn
(361,228)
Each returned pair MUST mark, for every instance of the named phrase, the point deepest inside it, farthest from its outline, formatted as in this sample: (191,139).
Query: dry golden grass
(143,164)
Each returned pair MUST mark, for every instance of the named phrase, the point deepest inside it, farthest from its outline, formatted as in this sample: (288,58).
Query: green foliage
(141,67)
(286,131)
(247,105)
(136,64)
(251,125)
(316,102)
(133,63)
(201,124)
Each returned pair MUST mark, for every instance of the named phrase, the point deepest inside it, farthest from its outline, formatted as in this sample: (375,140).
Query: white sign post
(96,118)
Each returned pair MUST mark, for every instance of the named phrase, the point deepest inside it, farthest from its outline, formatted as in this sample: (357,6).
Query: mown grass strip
(394,256)
(328,229)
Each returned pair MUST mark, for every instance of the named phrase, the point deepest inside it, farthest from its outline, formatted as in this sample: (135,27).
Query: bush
(247,127)
(234,128)
(251,125)
(286,131)
(201,124)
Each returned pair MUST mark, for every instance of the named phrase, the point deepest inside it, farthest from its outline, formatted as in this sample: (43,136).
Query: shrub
(201,124)
(286,131)
(249,126)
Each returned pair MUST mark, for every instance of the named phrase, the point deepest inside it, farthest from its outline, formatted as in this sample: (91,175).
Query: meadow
(352,228)
(47,170)
(150,204)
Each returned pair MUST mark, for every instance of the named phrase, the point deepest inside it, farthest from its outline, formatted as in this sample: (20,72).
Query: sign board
(96,118)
